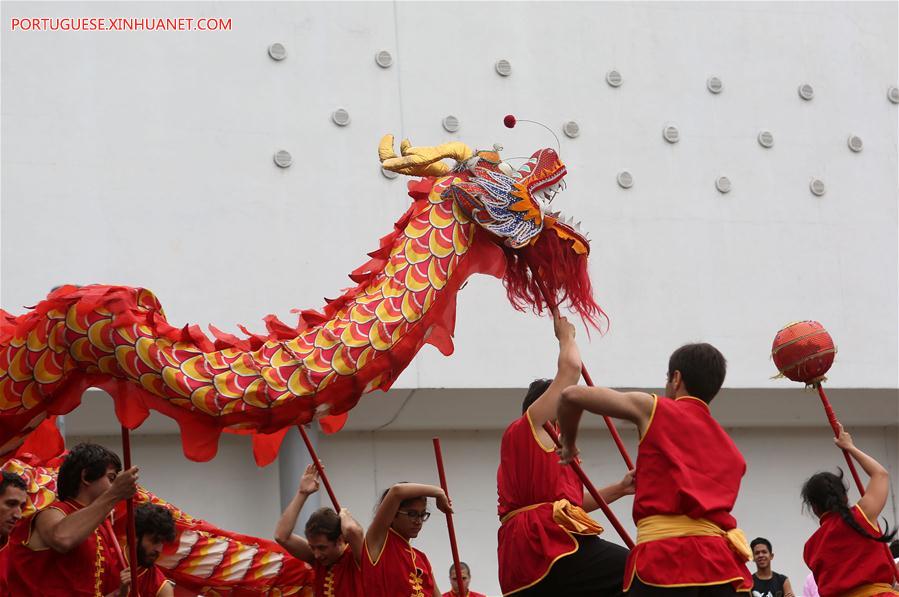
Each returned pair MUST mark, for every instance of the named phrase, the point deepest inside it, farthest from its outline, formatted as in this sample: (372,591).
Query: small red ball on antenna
(509,121)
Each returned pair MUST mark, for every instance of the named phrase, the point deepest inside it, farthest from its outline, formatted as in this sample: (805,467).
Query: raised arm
(295,545)
(352,533)
(635,407)
(62,533)
(568,372)
(878,487)
(376,535)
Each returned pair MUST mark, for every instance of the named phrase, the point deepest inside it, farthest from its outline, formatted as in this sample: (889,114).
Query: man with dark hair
(464,591)
(688,478)
(766,582)
(333,543)
(154,526)
(69,548)
(548,545)
(13,499)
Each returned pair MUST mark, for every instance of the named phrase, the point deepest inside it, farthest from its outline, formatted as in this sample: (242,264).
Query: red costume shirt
(342,579)
(150,581)
(687,465)
(842,559)
(92,568)
(4,559)
(400,570)
(530,476)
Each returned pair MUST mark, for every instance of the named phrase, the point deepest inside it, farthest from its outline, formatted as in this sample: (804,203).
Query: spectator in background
(466,578)
(766,582)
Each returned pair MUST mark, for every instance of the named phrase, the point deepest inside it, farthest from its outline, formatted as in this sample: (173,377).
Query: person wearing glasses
(548,545)
(391,567)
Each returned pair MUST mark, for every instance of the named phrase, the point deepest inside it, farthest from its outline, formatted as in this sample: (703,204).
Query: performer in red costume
(466,579)
(688,477)
(547,543)
(154,526)
(846,554)
(391,567)
(12,500)
(69,548)
(333,543)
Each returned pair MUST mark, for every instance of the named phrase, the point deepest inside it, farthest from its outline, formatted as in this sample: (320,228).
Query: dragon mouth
(564,226)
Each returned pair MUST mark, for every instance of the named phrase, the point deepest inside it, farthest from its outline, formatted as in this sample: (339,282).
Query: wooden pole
(449,517)
(591,489)
(320,468)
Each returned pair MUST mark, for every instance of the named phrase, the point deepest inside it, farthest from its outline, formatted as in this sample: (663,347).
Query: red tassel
(564,272)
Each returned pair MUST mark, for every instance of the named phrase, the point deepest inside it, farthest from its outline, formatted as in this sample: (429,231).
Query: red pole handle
(320,468)
(589,381)
(449,517)
(835,425)
(591,489)
(129,518)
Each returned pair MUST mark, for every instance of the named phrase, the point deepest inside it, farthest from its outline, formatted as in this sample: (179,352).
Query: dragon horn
(421,161)
(385,148)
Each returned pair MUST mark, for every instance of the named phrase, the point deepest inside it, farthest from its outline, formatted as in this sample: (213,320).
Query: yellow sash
(653,528)
(872,589)
(573,519)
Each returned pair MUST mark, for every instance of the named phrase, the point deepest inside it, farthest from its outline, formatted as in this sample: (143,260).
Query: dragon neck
(118,338)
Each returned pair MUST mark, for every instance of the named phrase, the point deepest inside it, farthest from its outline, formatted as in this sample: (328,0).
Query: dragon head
(546,254)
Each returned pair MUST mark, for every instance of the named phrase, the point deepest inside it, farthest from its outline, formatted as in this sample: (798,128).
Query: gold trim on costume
(655,403)
(534,432)
(571,519)
(702,402)
(868,520)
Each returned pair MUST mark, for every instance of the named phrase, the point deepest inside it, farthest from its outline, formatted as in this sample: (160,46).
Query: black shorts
(596,569)
(639,589)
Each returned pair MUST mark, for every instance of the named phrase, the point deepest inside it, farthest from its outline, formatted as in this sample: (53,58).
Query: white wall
(145,158)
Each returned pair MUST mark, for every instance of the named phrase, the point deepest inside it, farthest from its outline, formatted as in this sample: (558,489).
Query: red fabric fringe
(563,272)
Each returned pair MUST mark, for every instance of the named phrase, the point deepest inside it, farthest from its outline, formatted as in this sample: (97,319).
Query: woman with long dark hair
(847,554)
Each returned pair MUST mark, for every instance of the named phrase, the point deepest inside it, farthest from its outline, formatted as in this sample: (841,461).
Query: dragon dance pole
(591,489)
(129,516)
(449,517)
(589,381)
(835,425)
(320,468)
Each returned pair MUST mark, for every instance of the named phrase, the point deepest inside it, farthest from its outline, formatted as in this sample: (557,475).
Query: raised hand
(843,440)
(125,484)
(309,482)
(443,503)
(564,329)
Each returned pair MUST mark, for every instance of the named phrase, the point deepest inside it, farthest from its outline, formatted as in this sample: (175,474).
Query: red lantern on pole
(803,351)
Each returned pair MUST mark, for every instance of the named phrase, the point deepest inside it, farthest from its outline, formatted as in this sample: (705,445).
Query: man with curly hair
(154,526)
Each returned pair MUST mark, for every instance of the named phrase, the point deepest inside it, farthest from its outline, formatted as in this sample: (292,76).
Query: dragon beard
(563,272)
